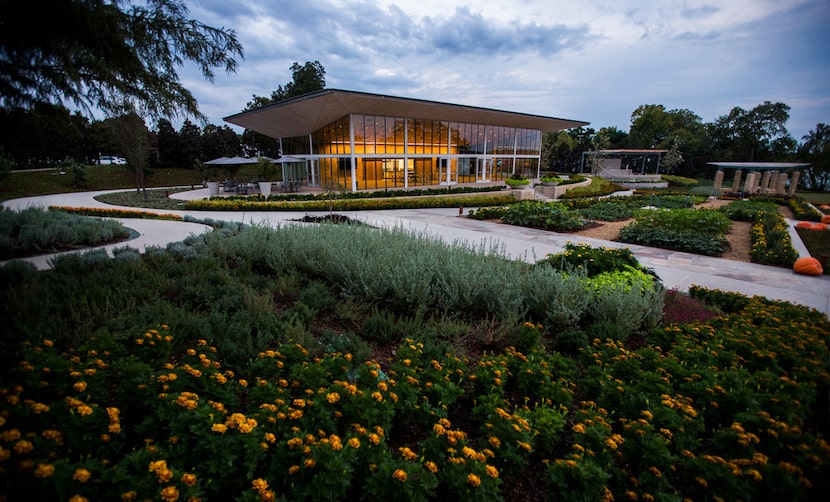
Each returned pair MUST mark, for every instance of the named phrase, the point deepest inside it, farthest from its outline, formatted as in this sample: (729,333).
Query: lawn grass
(156,199)
(51,181)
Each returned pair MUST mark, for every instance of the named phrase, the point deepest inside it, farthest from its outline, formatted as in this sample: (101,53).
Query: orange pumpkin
(825,218)
(818,226)
(804,224)
(824,206)
(808,266)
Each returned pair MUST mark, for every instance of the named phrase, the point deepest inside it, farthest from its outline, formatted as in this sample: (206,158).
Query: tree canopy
(114,55)
(307,78)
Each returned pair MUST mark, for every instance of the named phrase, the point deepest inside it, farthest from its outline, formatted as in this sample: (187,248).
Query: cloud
(595,61)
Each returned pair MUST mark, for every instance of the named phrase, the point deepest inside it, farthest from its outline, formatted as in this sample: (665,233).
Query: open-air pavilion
(761,178)
(624,162)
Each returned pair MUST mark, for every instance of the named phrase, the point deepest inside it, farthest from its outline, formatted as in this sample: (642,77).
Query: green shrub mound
(36,231)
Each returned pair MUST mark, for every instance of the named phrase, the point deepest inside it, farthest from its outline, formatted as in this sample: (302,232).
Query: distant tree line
(756,135)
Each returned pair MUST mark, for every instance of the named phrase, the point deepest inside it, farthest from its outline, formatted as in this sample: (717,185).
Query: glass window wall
(396,152)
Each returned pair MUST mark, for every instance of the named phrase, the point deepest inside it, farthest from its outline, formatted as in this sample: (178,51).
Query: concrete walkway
(676,269)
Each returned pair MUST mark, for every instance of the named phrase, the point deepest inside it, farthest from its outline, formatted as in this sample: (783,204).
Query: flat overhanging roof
(627,151)
(305,114)
(759,166)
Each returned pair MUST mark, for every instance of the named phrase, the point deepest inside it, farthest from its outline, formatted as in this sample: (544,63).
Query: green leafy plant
(516,181)
(547,216)
(693,230)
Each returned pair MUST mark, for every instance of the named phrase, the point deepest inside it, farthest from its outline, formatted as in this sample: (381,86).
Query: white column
(351,152)
(311,161)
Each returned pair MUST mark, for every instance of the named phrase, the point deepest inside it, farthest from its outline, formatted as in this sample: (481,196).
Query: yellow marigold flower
(702,482)
(469,452)
(81,475)
(400,475)
(354,443)
(439,429)
(44,471)
(78,498)
(243,382)
(382,386)
(221,428)
(377,396)
(611,444)
(647,414)
(189,479)
(374,438)
(524,446)
(170,494)
(494,441)
(492,471)
(129,496)
(332,397)
(655,471)
(431,467)
(294,469)
(407,453)
(579,428)
(473,480)
(309,462)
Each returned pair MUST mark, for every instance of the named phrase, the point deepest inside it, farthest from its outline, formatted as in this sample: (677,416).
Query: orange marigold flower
(170,494)
(400,475)
(129,496)
(431,467)
(23,446)
(81,475)
(44,471)
(492,471)
(189,479)
(260,485)
(473,480)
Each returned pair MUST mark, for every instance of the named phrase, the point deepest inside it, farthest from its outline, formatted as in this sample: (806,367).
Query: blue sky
(591,60)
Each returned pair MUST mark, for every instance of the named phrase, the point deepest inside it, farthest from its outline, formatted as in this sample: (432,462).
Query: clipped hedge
(238,204)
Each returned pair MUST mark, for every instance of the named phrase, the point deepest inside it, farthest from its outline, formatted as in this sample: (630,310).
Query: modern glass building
(360,141)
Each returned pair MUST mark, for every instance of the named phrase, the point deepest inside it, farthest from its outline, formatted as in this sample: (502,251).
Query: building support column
(351,153)
(736,182)
(794,183)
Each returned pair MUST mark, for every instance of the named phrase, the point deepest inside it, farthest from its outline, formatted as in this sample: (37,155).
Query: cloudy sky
(591,60)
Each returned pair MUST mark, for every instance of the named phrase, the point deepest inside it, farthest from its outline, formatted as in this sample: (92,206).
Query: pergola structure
(762,178)
(626,162)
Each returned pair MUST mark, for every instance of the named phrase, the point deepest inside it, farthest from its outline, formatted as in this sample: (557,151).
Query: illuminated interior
(360,151)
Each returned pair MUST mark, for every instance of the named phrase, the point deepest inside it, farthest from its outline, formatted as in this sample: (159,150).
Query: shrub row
(771,242)
(256,204)
(116,213)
